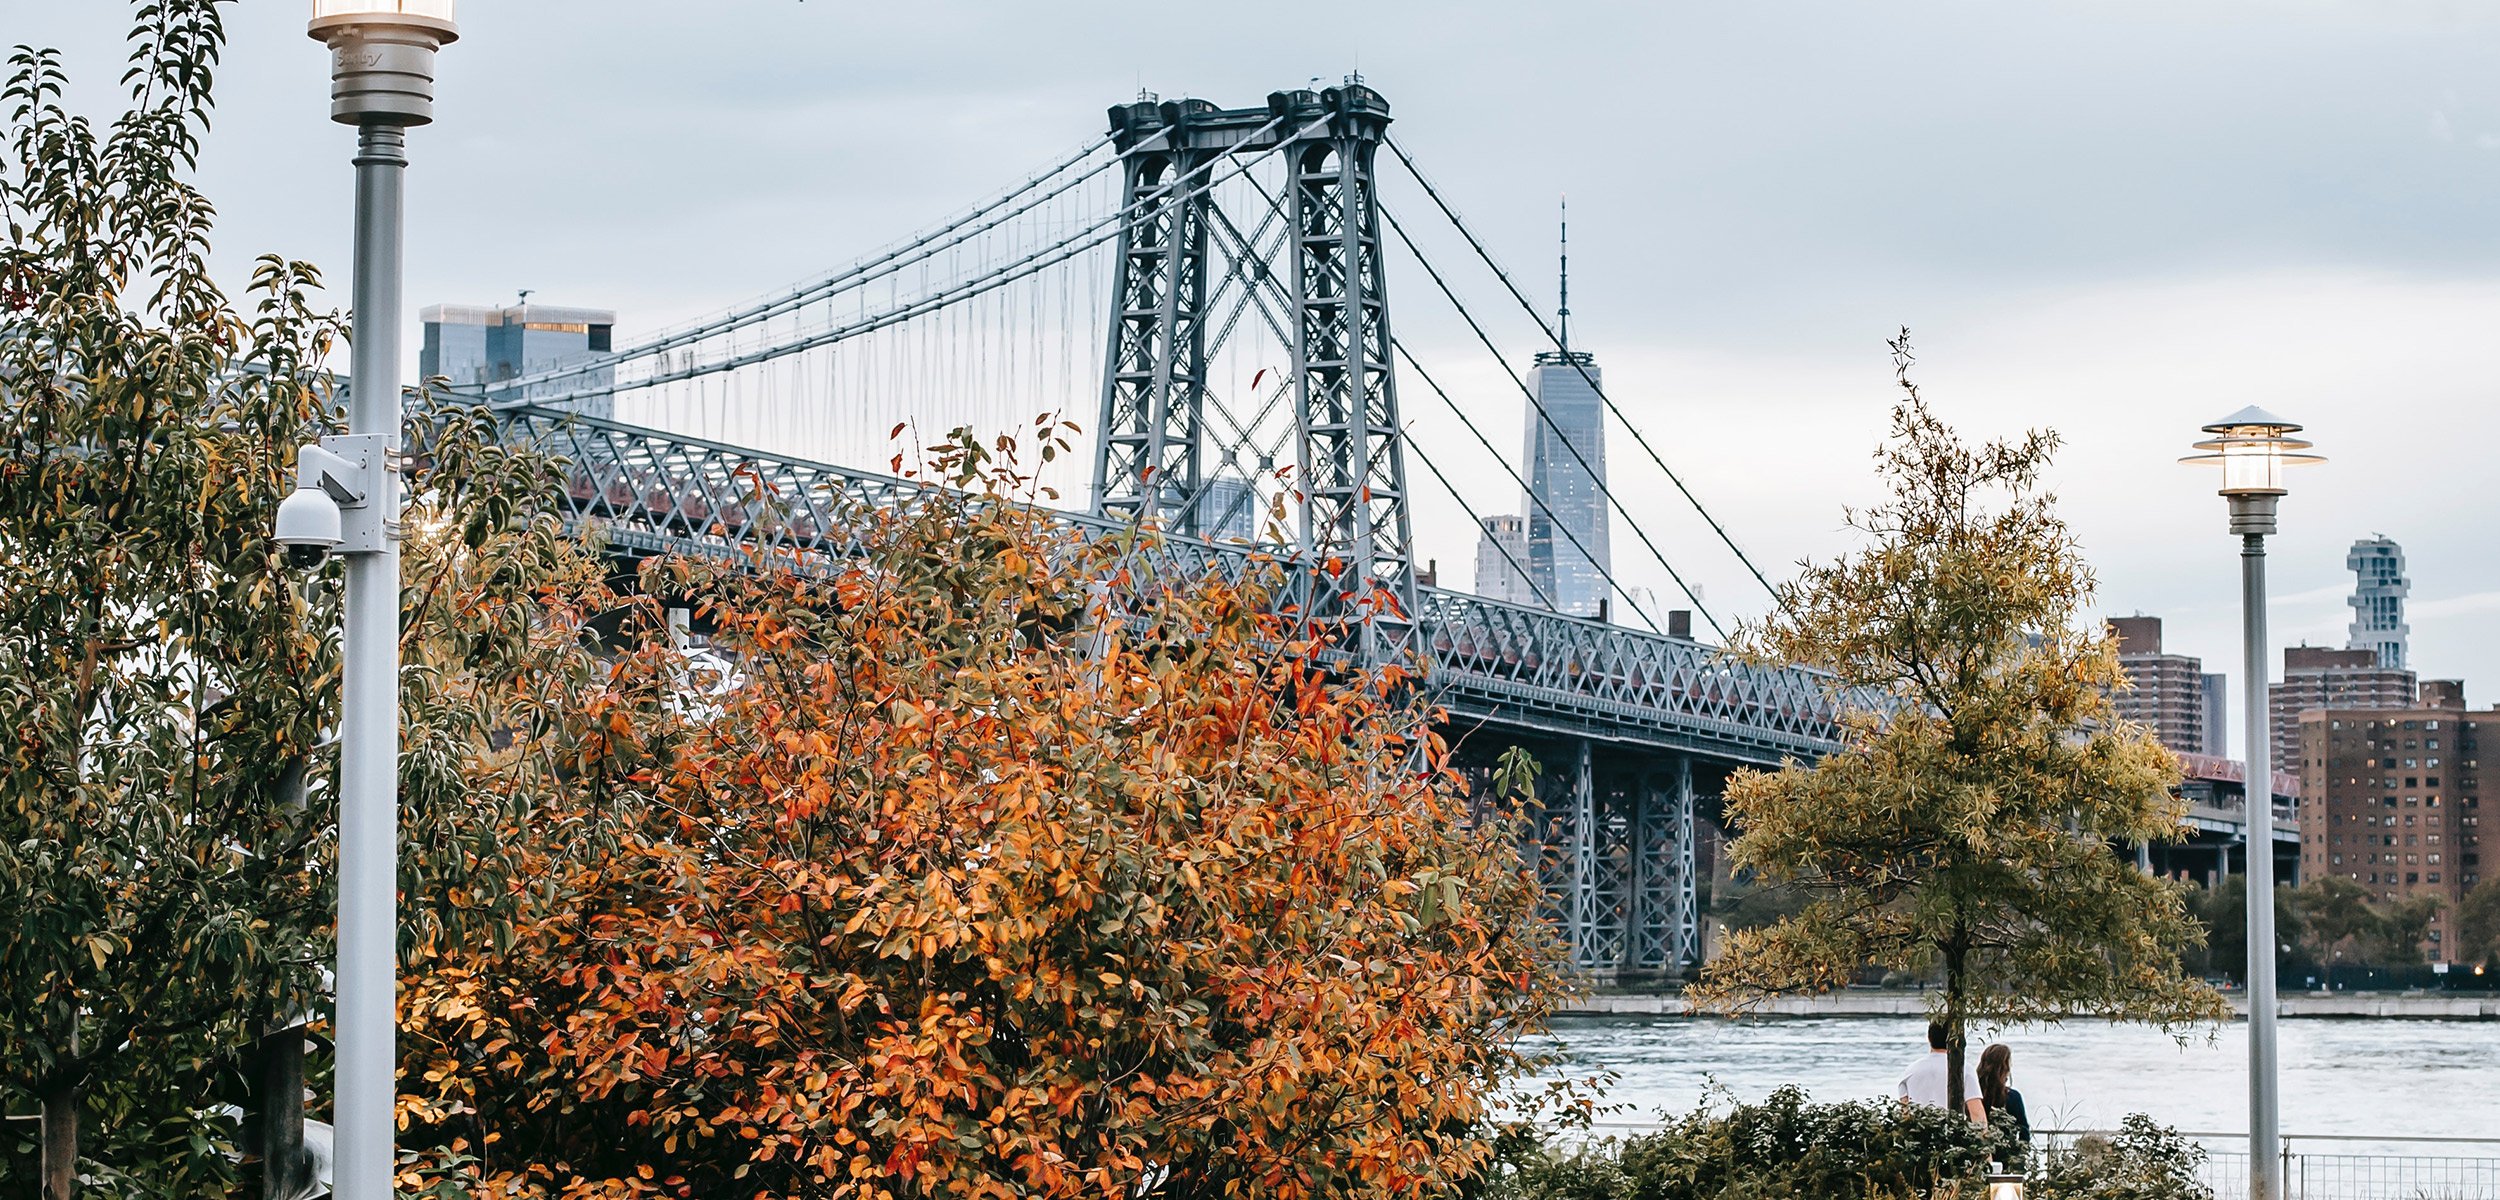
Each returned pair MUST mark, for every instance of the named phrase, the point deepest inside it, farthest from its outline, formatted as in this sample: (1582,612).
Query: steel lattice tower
(1353,528)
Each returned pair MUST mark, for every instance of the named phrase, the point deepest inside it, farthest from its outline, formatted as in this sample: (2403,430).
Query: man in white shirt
(1925,1082)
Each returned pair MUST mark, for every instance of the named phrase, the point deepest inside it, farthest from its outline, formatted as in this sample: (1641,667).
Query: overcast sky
(2116,219)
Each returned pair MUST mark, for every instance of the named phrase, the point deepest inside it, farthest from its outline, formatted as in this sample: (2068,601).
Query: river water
(2353,1077)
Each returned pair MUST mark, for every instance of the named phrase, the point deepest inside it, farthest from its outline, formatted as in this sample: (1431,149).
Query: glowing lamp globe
(2252,446)
(382,57)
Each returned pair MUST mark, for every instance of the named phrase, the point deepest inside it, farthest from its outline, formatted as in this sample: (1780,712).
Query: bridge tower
(1350,479)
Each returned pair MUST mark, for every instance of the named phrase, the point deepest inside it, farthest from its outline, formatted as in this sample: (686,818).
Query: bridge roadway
(1522,671)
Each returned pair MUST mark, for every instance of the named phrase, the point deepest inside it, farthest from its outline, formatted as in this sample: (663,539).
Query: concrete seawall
(2451,1007)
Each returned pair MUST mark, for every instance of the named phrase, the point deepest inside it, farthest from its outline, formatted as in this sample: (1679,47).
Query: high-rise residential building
(2378,599)
(2217,689)
(477,348)
(2321,677)
(1568,556)
(2392,799)
(2165,692)
(1502,559)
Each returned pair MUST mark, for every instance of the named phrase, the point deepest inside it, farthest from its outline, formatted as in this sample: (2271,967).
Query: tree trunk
(1955,1052)
(278,1112)
(286,1171)
(60,1142)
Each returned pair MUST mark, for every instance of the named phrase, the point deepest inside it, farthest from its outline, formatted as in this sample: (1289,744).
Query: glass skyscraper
(1568,555)
(1561,539)
(477,348)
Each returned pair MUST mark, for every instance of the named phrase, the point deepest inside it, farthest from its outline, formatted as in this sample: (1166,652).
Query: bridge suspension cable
(1635,430)
(905,254)
(1538,406)
(1066,248)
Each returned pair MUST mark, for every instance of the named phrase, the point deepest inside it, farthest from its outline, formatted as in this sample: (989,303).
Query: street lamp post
(382,82)
(2252,446)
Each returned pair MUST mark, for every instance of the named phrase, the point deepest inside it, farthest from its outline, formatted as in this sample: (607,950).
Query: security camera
(308,528)
(329,510)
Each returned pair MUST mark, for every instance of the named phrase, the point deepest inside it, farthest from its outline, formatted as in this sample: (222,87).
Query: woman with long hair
(1996,1070)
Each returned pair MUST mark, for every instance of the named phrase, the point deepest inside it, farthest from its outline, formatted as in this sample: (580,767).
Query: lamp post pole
(2252,517)
(382,82)
(2252,446)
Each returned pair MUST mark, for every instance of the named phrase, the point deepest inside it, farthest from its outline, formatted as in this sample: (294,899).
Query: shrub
(1783,1146)
(2143,1161)
(1786,1146)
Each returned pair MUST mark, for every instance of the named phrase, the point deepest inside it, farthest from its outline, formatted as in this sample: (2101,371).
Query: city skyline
(2016,186)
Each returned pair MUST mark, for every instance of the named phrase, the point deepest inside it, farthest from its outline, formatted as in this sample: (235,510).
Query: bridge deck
(1503,665)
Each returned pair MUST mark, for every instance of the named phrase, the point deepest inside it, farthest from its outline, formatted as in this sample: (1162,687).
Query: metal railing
(2340,1166)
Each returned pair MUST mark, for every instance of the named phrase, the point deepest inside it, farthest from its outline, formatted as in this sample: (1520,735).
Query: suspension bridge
(1212,284)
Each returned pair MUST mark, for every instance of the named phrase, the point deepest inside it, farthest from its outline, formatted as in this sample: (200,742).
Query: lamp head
(382,57)
(2252,446)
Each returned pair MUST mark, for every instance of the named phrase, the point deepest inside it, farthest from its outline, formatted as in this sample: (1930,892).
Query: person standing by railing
(1925,1082)
(2004,1104)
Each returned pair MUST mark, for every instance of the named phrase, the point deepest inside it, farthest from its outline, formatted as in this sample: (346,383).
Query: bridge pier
(1613,838)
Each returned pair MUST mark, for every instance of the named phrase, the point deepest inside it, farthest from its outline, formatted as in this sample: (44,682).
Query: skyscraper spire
(1567,558)
(1565,336)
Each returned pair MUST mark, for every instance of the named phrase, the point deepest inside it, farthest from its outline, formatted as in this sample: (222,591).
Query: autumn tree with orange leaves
(963,883)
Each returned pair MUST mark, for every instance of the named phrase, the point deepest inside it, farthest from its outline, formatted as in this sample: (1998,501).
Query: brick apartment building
(2317,678)
(2391,798)
(2166,693)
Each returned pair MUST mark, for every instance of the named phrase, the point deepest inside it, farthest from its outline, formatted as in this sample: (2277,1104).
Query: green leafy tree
(1965,823)
(161,673)
(2403,927)
(2223,911)
(2478,924)
(166,682)
(2341,922)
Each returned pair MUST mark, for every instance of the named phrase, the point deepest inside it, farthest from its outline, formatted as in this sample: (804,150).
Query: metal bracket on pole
(358,472)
